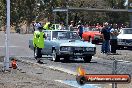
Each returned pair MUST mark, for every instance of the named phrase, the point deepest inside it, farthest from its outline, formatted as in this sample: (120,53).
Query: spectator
(113,38)
(106,37)
(71,26)
(98,26)
(80,29)
(61,26)
(47,26)
(37,25)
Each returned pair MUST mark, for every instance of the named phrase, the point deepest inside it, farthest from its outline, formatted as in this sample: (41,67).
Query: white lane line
(75,84)
(31,56)
(123,61)
(9,46)
(51,67)
(23,56)
(62,69)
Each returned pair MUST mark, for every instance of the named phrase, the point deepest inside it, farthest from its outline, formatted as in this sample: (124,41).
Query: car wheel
(66,58)
(55,57)
(87,59)
(120,47)
(95,41)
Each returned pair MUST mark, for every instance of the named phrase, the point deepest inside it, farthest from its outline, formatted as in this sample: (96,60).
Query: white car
(125,38)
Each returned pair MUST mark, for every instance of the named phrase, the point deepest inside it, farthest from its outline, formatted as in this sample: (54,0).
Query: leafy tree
(26,11)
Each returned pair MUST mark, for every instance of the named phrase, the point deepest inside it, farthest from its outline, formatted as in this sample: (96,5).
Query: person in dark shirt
(80,29)
(106,39)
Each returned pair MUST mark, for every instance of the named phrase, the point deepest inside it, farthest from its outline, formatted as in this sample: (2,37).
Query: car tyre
(120,47)
(55,57)
(66,58)
(87,59)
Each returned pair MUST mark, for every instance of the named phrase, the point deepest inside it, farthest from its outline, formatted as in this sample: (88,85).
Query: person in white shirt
(37,25)
(71,28)
(113,38)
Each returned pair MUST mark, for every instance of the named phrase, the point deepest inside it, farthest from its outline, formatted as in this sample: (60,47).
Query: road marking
(24,56)
(123,61)
(62,69)
(9,46)
(75,84)
(51,67)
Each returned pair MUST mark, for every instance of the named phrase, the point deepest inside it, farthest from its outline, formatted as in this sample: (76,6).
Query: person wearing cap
(106,39)
(38,43)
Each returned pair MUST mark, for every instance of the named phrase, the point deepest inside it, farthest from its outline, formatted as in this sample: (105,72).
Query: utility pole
(67,18)
(67,14)
(114,85)
(7,34)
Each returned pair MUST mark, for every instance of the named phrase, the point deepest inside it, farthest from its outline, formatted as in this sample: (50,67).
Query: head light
(65,48)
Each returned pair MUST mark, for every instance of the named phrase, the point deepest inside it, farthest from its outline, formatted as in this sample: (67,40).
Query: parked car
(66,44)
(92,34)
(124,39)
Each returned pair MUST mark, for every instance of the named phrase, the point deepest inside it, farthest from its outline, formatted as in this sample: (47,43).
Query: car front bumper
(76,54)
(124,44)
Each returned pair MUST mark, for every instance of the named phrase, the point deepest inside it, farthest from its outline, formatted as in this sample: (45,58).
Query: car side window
(48,35)
(55,35)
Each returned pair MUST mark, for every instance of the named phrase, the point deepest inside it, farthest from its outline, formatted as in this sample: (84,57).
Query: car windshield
(127,31)
(64,35)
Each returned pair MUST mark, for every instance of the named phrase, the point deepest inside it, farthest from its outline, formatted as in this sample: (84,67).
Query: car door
(47,44)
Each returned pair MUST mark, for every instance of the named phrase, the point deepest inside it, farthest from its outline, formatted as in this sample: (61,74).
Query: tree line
(26,11)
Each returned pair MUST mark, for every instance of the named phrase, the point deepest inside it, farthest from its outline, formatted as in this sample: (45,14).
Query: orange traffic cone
(14,64)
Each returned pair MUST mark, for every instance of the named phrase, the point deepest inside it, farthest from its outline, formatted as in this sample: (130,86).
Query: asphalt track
(19,48)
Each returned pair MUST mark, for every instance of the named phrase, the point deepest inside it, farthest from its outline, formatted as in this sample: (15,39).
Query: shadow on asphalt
(126,48)
(76,61)
(72,61)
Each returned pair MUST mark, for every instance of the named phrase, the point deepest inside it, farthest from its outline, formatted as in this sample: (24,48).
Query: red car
(92,35)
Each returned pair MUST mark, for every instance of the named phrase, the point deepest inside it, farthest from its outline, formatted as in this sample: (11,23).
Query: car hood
(76,43)
(124,36)
(92,32)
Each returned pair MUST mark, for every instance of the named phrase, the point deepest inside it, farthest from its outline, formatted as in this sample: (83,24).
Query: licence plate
(77,53)
(78,48)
